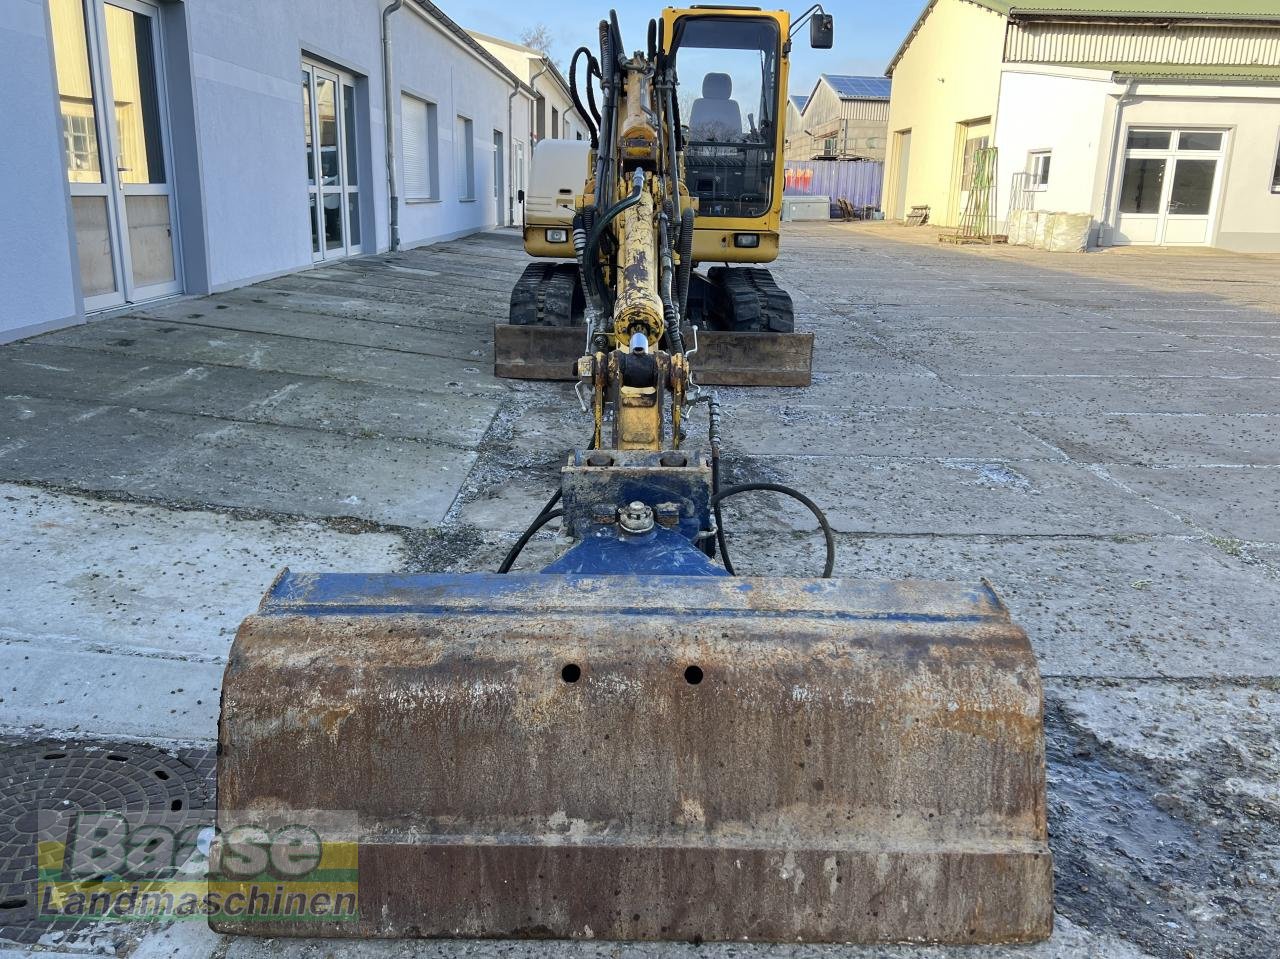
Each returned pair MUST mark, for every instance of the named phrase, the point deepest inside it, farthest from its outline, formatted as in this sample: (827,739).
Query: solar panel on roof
(872,88)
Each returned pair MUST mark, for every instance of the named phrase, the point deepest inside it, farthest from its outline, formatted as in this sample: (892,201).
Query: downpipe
(388,126)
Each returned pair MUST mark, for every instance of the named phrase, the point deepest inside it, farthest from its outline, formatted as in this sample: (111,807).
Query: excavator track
(548,294)
(749,300)
(746,328)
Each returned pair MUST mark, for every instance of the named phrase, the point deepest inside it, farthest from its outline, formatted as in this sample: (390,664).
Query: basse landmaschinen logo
(110,865)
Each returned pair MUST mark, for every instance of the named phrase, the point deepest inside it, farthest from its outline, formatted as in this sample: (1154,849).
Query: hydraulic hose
(577,100)
(545,517)
(686,262)
(670,316)
(718,497)
(602,224)
(604,158)
(594,71)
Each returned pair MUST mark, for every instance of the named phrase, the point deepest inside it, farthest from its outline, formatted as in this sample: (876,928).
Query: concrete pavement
(1096,434)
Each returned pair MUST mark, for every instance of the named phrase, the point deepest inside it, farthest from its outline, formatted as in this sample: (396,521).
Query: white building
(554,115)
(243,140)
(1159,119)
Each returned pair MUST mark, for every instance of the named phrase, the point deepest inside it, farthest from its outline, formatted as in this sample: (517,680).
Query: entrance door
(333,191)
(116,146)
(1169,187)
(902,167)
(499,195)
(970,138)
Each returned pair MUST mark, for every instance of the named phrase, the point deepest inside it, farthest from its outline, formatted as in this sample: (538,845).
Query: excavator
(635,742)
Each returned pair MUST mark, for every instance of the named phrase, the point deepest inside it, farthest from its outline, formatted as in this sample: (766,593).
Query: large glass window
(1143,185)
(727,68)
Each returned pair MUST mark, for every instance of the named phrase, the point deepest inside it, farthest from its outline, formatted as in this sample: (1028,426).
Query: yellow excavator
(634,742)
(719,147)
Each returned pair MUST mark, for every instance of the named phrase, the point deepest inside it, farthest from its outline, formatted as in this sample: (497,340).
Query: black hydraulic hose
(604,158)
(713,439)
(543,519)
(653,39)
(593,70)
(602,223)
(577,100)
(721,495)
(719,517)
(670,318)
(685,277)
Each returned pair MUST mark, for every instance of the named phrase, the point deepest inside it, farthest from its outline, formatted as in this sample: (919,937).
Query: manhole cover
(61,779)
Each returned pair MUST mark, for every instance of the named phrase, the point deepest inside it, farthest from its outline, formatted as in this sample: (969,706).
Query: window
(1038,162)
(80,140)
(555,123)
(728,98)
(969,171)
(1275,177)
(465,148)
(1149,139)
(418,141)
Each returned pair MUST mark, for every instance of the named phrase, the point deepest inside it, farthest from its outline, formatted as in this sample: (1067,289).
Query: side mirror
(821,31)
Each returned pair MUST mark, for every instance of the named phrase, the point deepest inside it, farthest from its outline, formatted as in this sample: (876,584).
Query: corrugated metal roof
(859,88)
(798,102)
(1190,71)
(1198,9)
(1162,9)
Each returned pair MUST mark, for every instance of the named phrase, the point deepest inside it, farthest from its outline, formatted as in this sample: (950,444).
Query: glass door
(333,193)
(1169,187)
(115,140)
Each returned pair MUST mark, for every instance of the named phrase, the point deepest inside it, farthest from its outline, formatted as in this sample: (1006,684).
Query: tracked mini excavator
(633,743)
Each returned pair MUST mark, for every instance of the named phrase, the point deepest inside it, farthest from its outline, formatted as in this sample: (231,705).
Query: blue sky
(867,33)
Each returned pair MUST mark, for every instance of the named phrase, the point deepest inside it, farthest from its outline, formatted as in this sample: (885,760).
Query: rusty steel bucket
(679,758)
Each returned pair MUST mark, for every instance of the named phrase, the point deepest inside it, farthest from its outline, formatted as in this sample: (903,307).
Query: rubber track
(547,294)
(751,300)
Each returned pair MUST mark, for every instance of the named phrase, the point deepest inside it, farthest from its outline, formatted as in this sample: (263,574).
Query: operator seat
(714,116)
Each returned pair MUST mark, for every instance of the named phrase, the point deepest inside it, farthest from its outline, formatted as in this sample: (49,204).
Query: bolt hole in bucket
(693,675)
(571,673)
(14,902)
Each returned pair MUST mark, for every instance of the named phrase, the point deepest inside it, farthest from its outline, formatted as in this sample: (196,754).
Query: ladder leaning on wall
(978,221)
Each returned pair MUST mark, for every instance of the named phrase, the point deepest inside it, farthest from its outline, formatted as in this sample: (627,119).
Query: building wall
(795,140)
(859,126)
(457,85)
(1249,213)
(1043,109)
(1083,116)
(948,75)
(37,260)
(233,72)
(526,65)
(246,61)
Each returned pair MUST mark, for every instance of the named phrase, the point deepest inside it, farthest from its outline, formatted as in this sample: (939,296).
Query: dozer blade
(723,358)
(626,757)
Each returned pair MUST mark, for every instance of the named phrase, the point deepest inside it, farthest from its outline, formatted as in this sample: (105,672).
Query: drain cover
(65,778)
